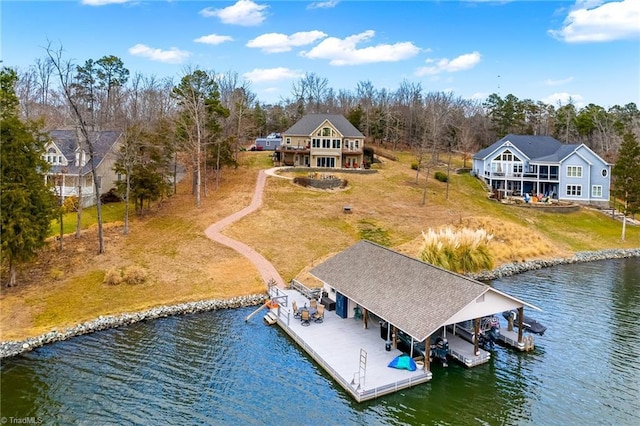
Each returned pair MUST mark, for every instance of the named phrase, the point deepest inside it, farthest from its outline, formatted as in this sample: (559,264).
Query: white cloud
(323,4)
(103,2)
(562,98)
(480,96)
(213,39)
(461,63)
(244,12)
(271,74)
(550,82)
(591,21)
(345,51)
(276,42)
(171,56)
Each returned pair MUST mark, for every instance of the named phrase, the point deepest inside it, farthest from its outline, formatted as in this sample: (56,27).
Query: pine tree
(626,173)
(27,203)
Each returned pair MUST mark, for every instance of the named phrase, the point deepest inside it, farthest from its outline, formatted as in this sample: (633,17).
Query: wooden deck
(353,356)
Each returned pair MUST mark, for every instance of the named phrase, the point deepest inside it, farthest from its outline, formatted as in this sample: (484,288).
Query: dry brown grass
(296,229)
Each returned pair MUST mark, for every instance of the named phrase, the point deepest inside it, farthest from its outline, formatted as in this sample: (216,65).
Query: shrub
(70,204)
(134,275)
(300,180)
(442,177)
(414,166)
(112,277)
(110,197)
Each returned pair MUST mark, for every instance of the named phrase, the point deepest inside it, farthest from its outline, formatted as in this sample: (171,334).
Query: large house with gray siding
(322,140)
(524,164)
(70,171)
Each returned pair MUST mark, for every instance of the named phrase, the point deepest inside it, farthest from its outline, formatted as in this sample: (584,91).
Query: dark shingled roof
(534,147)
(560,154)
(416,296)
(67,142)
(309,123)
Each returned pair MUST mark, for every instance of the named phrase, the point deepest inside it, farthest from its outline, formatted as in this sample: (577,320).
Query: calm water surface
(212,368)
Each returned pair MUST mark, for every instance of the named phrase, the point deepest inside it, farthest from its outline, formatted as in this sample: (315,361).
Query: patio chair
(313,304)
(296,312)
(304,317)
(319,316)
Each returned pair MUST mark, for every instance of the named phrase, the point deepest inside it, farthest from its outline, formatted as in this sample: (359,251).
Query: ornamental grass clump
(463,250)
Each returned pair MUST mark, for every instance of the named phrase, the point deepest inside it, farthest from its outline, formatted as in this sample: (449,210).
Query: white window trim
(596,191)
(574,188)
(574,171)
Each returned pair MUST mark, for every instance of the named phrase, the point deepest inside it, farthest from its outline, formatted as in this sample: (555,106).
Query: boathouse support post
(520,323)
(395,337)
(427,354)
(476,331)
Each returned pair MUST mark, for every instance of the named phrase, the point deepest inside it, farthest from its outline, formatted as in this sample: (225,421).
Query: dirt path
(267,271)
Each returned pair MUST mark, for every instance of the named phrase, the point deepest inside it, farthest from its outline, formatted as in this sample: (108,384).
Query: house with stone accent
(542,165)
(322,141)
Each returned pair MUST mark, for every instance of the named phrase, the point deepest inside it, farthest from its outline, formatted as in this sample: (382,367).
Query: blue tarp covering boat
(403,362)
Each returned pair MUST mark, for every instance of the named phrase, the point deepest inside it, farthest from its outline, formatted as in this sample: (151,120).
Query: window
(574,190)
(356,144)
(596,191)
(574,171)
(326,131)
(60,159)
(336,143)
(605,172)
(288,141)
(326,162)
(315,143)
(326,143)
(506,156)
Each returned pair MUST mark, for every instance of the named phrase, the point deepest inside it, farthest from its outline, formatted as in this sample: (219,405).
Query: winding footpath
(267,271)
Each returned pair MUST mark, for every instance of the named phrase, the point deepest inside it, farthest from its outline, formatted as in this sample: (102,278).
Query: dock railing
(307,292)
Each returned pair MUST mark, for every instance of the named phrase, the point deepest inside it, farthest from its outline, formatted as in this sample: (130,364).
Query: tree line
(202,120)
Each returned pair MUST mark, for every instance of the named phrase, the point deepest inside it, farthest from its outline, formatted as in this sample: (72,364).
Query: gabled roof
(534,147)
(67,143)
(310,122)
(563,151)
(415,296)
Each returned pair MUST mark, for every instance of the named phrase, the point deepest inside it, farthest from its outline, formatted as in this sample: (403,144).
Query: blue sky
(586,50)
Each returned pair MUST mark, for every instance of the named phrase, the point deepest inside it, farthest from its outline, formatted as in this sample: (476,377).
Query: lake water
(213,368)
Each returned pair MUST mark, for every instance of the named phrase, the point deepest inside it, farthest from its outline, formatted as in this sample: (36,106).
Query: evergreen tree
(626,173)
(28,204)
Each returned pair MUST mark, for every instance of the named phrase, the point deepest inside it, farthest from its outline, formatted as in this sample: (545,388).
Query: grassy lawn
(112,212)
(295,229)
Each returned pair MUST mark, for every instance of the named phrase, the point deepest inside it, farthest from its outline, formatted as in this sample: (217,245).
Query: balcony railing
(518,175)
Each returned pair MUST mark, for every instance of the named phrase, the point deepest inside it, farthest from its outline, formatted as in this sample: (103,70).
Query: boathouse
(400,305)
(415,298)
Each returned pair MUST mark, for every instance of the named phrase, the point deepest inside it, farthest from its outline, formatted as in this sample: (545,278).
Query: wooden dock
(355,357)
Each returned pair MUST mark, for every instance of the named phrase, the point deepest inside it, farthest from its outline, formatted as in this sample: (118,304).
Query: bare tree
(63,69)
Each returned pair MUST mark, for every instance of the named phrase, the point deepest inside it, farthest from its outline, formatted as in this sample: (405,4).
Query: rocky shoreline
(514,268)
(17,347)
